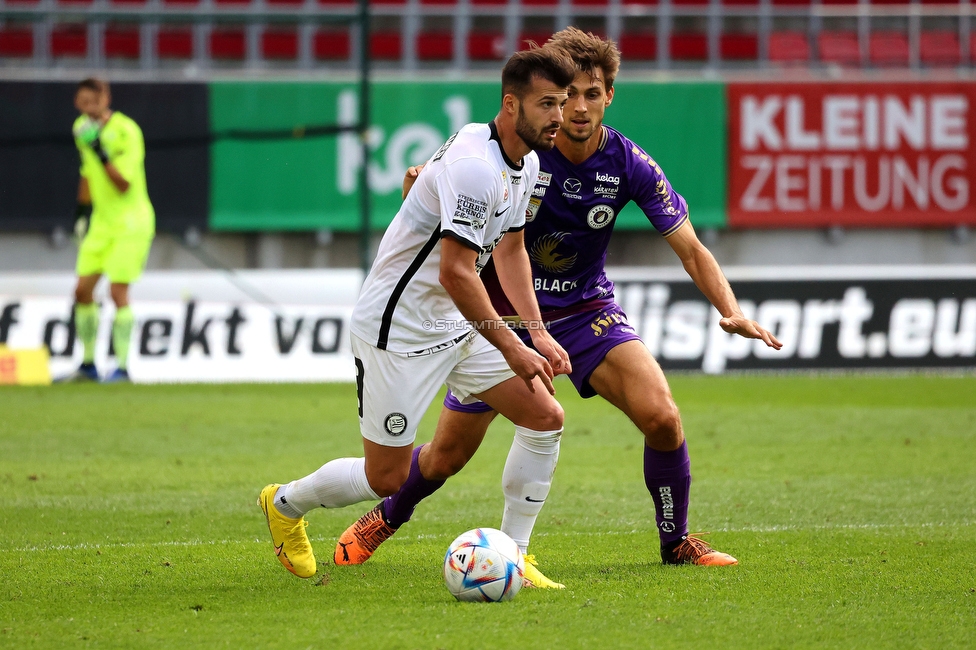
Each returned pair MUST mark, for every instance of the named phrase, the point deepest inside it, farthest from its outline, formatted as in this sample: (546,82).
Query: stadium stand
(461,34)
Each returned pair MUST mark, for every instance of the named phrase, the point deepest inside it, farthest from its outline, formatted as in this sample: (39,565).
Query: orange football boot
(360,540)
(692,550)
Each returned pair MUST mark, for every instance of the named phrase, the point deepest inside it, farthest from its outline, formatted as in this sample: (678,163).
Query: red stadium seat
(386,46)
(486,46)
(435,46)
(689,46)
(174,43)
(888,48)
(16,41)
(69,40)
(331,44)
(121,41)
(839,47)
(228,43)
(536,37)
(792,3)
(789,47)
(739,47)
(939,48)
(638,46)
(280,43)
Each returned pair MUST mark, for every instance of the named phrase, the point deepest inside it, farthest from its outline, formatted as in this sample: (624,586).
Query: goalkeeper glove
(89,132)
(82,215)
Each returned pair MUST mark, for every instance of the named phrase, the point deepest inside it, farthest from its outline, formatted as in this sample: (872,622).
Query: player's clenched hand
(750,329)
(529,364)
(410,178)
(551,350)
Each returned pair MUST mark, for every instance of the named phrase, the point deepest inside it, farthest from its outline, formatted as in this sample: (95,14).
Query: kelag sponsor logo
(822,323)
(891,154)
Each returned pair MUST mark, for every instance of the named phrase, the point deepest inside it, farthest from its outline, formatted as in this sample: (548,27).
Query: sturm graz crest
(395,423)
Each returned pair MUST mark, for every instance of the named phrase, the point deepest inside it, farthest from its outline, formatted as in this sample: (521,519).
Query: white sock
(340,482)
(526,481)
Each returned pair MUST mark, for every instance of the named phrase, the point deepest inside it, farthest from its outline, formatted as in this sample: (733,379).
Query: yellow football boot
(291,544)
(534,578)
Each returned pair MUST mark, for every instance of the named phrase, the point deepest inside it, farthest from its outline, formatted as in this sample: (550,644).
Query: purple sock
(399,507)
(667,475)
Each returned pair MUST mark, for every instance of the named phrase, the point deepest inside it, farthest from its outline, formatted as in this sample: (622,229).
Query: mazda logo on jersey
(572,185)
(600,216)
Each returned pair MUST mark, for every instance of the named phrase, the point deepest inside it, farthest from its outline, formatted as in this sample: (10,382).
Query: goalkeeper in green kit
(115,221)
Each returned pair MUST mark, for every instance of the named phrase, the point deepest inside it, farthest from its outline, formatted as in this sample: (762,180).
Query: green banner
(313,183)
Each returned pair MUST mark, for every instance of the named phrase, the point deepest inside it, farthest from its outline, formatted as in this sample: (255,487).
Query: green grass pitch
(128,519)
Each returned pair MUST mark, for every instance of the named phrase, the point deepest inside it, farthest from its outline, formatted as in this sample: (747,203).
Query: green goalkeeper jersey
(115,212)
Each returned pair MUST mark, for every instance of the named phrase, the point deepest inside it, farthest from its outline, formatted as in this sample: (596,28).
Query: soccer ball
(484,565)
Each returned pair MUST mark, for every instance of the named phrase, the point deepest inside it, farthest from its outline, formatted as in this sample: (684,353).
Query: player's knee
(661,426)
(389,482)
(83,295)
(442,466)
(548,418)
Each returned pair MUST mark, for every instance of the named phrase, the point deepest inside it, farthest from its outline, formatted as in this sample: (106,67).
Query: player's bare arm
(462,283)
(708,277)
(410,178)
(515,275)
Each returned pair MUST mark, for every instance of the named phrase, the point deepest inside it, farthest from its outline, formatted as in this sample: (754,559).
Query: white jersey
(469,191)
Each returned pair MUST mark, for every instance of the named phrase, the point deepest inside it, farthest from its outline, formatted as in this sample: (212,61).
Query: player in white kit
(424,318)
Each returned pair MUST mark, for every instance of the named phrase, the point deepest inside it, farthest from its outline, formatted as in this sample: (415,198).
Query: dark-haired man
(114,220)
(584,182)
(424,318)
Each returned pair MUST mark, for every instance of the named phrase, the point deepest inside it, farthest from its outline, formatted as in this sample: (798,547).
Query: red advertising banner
(852,154)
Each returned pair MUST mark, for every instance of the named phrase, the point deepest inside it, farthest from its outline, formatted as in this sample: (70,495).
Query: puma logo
(345,553)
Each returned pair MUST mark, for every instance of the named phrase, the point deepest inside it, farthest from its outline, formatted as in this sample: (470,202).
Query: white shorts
(395,388)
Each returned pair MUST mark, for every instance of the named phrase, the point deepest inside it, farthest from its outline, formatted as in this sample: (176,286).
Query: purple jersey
(570,219)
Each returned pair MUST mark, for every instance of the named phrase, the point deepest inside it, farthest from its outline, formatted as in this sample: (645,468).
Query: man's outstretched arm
(515,275)
(708,277)
(462,283)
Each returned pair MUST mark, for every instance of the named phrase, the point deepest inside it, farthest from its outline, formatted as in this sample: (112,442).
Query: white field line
(87,546)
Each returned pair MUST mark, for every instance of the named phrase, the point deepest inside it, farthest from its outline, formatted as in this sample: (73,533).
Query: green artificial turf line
(128,519)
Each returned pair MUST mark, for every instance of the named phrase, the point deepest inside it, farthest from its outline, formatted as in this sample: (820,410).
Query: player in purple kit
(583,184)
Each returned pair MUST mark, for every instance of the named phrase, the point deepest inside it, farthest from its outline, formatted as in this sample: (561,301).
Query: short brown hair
(589,52)
(545,63)
(95,85)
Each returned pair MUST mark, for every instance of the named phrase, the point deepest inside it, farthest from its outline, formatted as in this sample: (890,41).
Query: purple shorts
(587,337)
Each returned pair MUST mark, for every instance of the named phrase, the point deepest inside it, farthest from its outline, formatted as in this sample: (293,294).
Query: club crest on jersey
(505,185)
(544,253)
(600,216)
(470,212)
(395,423)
